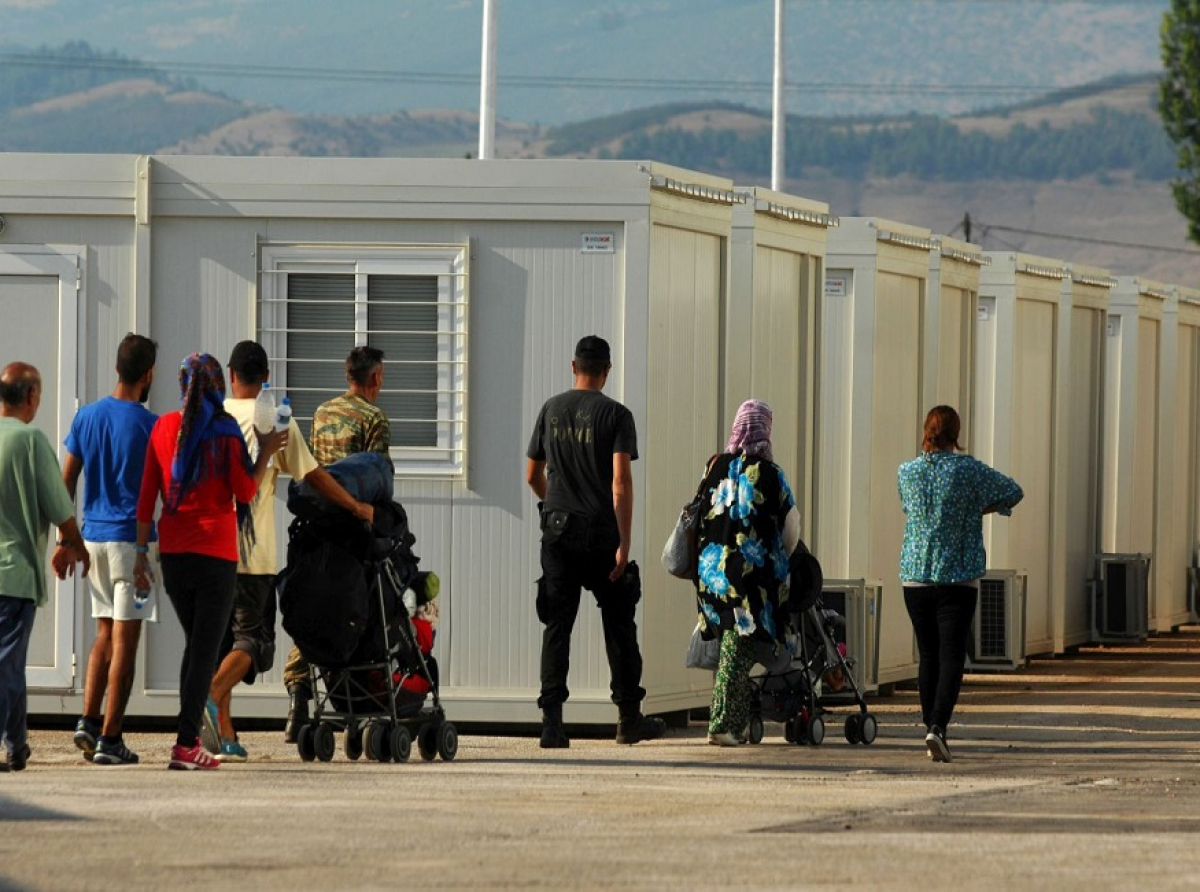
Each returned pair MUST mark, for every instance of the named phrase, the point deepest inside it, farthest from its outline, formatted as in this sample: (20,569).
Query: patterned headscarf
(751,432)
(199,455)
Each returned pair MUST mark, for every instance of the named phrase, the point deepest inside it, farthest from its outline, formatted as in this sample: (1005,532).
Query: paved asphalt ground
(1077,773)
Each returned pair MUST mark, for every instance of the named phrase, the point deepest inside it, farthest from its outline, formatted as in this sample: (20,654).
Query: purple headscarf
(751,432)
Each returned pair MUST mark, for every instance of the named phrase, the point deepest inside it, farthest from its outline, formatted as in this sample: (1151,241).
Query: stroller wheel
(869,728)
(789,731)
(427,741)
(400,742)
(816,730)
(324,742)
(754,733)
(304,743)
(447,741)
(353,742)
(854,728)
(378,744)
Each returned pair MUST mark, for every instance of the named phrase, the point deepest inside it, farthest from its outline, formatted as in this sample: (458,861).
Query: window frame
(448,263)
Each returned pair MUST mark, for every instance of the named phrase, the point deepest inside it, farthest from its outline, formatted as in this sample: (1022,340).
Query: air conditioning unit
(998,630)
(1120,598)
(859,601)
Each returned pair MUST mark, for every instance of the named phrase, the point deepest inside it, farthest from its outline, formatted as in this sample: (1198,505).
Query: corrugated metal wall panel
(1078,467)
(835,425)
(1029,427)
(533,281)
(1180,486)
(686,294)
(897,417)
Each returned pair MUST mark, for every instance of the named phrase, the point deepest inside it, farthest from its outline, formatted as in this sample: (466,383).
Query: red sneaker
(191,758)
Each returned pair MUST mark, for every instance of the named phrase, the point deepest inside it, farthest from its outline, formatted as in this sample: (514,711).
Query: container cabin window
(313,310)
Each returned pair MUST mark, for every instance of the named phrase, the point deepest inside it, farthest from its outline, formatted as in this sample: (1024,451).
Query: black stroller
(813,673)
(341,597)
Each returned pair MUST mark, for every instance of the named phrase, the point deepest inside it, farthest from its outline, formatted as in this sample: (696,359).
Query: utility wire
(989,227)
(367,75)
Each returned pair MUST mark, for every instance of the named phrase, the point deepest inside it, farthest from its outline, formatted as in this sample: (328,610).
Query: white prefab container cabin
(1038,408)
(870,408)
(1133,374)
(777,271)
(1175,571)
(949,341)
(476,278)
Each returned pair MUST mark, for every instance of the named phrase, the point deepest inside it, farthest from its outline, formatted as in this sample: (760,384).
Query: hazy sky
(564,59)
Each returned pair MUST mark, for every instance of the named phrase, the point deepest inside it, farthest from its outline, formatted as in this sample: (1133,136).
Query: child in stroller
(343,597)
(812,672)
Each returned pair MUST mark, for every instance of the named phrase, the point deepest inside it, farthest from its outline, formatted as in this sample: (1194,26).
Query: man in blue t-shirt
(107,443)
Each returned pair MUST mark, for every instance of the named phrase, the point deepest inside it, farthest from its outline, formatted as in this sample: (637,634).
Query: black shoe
(640,727)
(297,716)
(19,758)
(935,743)
(554,738)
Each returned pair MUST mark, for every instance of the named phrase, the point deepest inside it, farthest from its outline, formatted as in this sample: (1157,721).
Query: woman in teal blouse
(945,494)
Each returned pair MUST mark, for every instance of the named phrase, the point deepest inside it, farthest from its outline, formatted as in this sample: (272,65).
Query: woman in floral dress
(744,541)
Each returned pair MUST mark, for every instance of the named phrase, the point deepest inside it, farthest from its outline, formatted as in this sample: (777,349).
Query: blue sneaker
(210,727)
(232,751)
(113,752)
(86,732)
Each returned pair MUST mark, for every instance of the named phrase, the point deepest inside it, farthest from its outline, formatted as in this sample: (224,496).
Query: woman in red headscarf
(198,463)
(745,537)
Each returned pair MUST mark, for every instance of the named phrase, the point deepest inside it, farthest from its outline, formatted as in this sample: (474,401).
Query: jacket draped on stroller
(342,596)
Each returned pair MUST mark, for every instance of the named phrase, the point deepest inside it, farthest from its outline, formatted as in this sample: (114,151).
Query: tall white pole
(487,82)
(778,113)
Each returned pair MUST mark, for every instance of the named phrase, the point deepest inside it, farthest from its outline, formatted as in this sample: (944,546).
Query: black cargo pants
(574,557)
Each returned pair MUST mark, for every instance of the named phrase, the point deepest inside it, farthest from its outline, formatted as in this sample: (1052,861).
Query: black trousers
(201,590)
(941,618)
(571,563)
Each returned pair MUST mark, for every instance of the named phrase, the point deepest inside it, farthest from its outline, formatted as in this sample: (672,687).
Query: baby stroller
(813,671)
(371,672)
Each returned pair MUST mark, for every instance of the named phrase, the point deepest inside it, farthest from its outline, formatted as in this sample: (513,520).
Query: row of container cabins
(1081,385)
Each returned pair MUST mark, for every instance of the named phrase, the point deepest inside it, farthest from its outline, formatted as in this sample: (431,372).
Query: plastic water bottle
(284,415)
(264,410)
(140,595)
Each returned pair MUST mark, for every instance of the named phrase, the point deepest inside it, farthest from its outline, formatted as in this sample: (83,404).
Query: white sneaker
(724,738)
(935,744)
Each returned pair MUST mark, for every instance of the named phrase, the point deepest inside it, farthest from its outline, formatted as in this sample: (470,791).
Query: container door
(39,289)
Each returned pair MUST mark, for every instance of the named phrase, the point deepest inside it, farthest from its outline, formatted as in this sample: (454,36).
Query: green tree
(1179,103)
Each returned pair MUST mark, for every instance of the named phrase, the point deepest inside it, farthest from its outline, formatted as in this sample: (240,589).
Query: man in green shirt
(352,423)
(342,426)
(32,496)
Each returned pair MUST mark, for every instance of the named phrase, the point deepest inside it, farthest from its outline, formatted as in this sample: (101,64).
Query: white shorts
(110,582)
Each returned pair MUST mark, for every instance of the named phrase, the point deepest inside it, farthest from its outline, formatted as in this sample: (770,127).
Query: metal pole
(778,113)
(487,82)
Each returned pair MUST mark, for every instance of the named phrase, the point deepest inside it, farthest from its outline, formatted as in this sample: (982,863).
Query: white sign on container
(596,243)
(837,285)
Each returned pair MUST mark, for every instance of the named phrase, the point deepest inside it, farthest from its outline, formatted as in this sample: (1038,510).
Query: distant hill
(1075,175)
(122,105)
(570,61)
(1102,129)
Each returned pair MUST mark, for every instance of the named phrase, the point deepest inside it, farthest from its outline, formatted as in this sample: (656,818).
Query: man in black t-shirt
(579,467)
